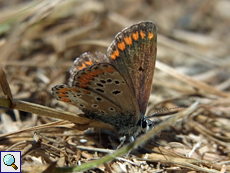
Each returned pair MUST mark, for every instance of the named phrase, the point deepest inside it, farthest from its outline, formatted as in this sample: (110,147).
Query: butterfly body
(115,88)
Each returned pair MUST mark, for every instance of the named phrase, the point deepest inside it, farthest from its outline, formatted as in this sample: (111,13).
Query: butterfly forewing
(133,53)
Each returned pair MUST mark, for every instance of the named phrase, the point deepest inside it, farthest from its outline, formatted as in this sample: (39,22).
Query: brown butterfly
(115,88)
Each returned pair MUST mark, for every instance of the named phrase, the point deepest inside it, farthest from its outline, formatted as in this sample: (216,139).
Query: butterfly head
(145,124)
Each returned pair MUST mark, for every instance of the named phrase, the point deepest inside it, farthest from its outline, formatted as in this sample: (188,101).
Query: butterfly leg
(122,141)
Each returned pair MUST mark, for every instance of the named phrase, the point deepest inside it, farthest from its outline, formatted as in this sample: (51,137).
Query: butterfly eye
(146,124)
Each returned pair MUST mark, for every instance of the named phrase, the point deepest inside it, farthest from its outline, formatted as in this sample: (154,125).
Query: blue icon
(9,160)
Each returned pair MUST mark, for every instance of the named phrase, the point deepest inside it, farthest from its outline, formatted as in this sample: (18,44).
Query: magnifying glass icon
(9,160)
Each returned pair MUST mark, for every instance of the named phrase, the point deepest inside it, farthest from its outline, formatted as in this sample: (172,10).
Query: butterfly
(115,88)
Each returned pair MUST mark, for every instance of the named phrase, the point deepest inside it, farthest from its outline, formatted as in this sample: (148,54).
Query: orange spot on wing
(64,90)
(81,67)
(115,54)
(83,80)
(110,69)
(65,100)
(62,95)
(92,73)
(82,85)
(86,91)
(142,34)
(75,90)
(128,40)
(99,71)
(89,62)
(150,35)
(121,45)
(87,76)
(135,36)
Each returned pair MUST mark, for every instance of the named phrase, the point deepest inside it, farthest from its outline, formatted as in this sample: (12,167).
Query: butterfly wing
(101,93)
(85,60)
(89,102)
(133,53)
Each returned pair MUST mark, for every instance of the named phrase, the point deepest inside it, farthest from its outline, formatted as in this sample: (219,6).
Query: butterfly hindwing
(89,102)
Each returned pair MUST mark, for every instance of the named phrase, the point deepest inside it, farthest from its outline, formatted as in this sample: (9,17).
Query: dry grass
(39,40)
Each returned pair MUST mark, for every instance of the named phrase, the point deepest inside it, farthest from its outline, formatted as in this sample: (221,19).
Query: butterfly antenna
(162,110)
